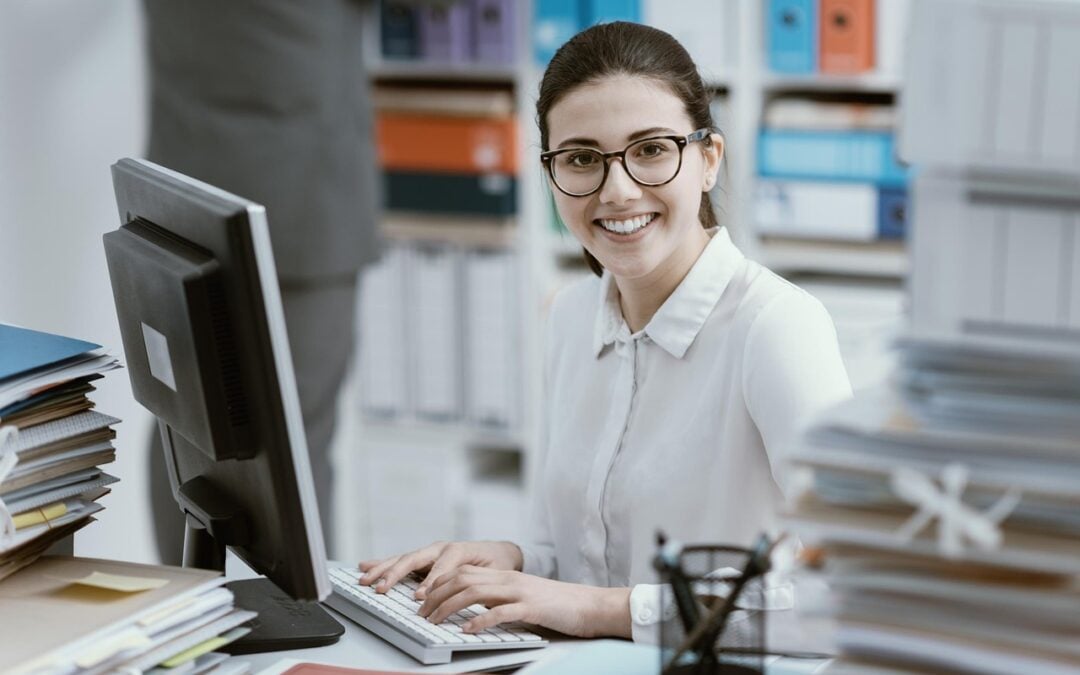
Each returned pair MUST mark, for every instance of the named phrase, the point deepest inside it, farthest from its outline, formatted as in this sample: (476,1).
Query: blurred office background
(438,422)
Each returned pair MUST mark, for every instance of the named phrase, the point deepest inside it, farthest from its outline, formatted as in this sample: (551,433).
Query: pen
(668,563)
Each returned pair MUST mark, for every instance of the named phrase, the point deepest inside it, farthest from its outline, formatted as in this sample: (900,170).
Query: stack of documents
(51,441)
(947,508)
(81,615)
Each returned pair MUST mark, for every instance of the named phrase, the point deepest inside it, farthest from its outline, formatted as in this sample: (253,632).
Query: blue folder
(23,350)
(863,156)
(892,213)
(791,35)
(554,22)
(603,11)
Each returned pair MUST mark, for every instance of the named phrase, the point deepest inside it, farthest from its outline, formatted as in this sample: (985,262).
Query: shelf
(870,83)
(458,230)
(424,432)
(425,70)
(870,259)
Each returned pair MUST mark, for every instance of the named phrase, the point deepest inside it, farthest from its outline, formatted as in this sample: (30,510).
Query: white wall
(72,101)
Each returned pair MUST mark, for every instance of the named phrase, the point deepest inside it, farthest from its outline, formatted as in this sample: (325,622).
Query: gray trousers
(320,318)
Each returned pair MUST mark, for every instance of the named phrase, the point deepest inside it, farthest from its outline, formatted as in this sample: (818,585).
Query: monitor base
(283,623)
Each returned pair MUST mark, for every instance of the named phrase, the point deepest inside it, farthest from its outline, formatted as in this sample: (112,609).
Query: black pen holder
(713,573)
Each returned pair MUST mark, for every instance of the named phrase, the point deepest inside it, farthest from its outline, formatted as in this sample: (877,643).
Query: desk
(358,648)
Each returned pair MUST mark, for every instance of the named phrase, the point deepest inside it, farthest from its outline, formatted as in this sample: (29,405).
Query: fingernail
(467,627)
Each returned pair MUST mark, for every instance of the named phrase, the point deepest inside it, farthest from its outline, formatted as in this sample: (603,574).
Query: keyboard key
(504,635)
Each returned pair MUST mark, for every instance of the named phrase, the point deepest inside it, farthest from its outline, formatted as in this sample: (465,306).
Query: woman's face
(607,115)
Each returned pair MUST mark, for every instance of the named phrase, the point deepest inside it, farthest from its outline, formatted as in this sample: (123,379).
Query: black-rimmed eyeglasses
(653,161)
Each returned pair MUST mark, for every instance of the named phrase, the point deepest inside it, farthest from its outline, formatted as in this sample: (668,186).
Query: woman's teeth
(627,226)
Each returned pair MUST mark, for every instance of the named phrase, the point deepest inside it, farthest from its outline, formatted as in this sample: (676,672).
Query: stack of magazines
(52,442)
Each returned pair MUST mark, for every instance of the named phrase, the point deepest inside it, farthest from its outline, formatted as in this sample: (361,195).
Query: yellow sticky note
(205,647)
(39,516)
(120,582)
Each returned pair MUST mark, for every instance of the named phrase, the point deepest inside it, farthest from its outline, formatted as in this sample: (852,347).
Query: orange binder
(447,144)
(846,36)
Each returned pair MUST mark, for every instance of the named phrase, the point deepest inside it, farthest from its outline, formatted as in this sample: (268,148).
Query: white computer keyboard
(392,616)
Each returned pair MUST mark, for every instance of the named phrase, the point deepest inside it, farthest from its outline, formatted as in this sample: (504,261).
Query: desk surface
(359,648)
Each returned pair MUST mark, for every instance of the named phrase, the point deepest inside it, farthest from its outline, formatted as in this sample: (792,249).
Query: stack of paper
(948,512)
(51,441)
(81,615)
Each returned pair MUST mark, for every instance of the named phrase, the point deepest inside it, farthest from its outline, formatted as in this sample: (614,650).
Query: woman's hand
(573,609)
(439,558)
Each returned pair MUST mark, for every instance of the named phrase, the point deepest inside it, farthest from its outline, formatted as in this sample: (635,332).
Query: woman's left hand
(573,609)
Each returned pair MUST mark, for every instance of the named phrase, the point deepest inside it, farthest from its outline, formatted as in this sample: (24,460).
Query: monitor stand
(283,623)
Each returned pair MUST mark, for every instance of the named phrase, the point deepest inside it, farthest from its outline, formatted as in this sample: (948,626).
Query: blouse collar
(679,320)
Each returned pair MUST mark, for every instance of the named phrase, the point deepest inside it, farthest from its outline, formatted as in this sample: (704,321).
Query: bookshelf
(547,259)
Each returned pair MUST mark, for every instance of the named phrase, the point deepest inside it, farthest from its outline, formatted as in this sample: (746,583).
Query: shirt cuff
(538,560)
(647,610)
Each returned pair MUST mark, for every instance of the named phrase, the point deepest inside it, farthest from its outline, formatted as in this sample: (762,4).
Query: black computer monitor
(204,338)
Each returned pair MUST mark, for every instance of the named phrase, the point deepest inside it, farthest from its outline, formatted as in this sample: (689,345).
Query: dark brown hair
(622,48)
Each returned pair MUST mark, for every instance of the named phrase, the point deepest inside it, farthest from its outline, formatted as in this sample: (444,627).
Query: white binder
(382,337)
(994,262)
(993,85)
(492,340)
(818,210)
(434,326)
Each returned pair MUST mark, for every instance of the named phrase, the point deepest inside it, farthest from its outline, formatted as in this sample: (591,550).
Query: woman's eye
(651,150)
(581,160)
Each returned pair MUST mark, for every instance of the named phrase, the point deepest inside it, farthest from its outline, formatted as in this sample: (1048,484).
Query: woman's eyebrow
(580,141)
(651,131)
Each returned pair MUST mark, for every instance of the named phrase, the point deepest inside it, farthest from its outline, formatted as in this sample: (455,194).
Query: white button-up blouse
(681,426)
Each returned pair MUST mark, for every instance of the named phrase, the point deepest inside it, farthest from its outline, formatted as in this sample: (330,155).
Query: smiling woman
(674,378)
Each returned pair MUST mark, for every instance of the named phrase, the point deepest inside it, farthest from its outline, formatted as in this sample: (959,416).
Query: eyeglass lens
(650,161)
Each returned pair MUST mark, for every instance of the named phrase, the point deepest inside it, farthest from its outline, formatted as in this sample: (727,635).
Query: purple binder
(446,30)
(493,22)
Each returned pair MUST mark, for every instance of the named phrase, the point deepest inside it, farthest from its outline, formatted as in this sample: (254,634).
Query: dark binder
(398,30)
(481,194)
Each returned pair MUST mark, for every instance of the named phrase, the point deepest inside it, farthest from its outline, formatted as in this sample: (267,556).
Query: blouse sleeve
(538,554)
(792,371)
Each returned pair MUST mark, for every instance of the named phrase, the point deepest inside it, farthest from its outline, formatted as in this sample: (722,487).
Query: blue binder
(399,31)
(892,213)
(602,11)
(791,35)
(555,22)
(865,156)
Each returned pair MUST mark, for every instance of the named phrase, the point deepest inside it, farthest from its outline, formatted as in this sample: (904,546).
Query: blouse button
(644,615)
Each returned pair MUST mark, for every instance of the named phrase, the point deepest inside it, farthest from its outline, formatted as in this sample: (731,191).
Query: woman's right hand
(438,559)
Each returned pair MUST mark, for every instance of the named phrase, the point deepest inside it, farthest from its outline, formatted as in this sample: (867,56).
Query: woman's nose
(618,187)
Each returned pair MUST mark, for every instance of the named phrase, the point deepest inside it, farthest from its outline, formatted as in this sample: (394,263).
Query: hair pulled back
(636,50)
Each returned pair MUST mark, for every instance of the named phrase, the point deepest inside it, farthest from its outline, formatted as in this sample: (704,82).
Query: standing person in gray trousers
(268,99)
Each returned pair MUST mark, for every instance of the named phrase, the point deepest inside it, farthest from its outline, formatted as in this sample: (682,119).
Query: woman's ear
(714,154)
